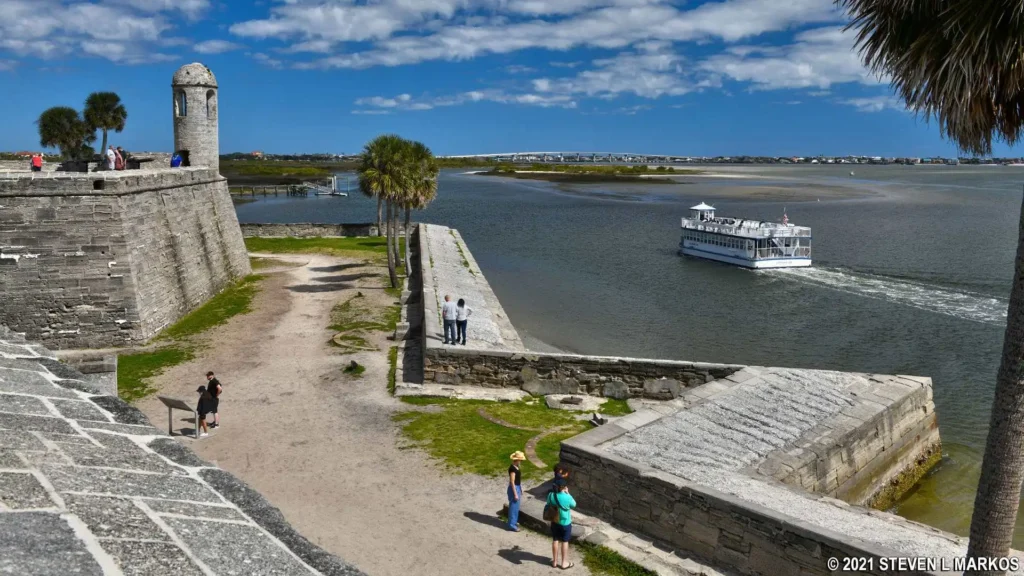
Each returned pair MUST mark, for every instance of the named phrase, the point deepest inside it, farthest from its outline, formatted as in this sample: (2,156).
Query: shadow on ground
(486,519)
(344,277)
(517,555)
(331,287)
(337,267)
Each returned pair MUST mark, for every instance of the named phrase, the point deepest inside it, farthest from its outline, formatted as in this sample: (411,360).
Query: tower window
(211,104)
(180,104)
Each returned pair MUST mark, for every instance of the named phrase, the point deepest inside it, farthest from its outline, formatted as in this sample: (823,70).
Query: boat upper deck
(746,228)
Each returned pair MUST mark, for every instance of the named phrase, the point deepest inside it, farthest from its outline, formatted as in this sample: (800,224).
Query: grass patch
(613,407)
(393,371)
(395,292)
(376,246)
(607,562)
(354,369)
(259,263)
(466,442)
(353,319)
(134,369)
(462,254)
(234,300)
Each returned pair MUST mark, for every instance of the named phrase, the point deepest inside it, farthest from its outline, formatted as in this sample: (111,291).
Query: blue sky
(467,76)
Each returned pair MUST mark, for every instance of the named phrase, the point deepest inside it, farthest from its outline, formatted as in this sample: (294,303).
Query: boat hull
(759,264)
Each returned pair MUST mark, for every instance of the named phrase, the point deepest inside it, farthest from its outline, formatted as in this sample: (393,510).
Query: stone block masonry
(730,517)
(311,230)
(87,487)
(109,259)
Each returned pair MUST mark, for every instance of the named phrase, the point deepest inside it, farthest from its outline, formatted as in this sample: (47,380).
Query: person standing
(202,409)
(462,314)
(449,314)
(214,388)
(36,163)
(515,489)
(124,157)
(111,157)
(118,159)
(561,528)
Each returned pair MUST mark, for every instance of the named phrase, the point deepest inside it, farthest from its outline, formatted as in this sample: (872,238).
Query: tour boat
(747,243)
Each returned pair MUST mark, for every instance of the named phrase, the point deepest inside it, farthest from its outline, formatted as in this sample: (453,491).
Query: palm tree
(61,127)
(104,111)
(962,63)
(423,188)
(383,173)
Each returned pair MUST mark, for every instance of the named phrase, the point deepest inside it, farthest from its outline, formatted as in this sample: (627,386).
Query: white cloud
(123,31)
(266,60)
(874,103)
(215,46)
(650,72)
(406,102)
(6,65)
(519,69)
(409,31)
(817,58)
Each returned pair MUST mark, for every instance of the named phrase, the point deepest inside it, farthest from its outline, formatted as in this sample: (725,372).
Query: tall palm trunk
(408,266)
(380,206)
(392,275)
(1002,468)
(103,149)
(395,238)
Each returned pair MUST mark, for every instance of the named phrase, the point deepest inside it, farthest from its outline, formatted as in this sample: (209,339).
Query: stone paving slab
(22,491)
(43,544)
(150,558)
(88,487)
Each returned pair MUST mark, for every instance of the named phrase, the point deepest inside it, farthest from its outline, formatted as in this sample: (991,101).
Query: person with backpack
(202,409)
(558,511)
(37,163)
(515,489)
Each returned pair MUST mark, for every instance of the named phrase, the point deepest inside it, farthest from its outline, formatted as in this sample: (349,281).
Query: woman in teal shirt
(561,529)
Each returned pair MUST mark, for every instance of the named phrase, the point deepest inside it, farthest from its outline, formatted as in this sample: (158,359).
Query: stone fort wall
(108,259)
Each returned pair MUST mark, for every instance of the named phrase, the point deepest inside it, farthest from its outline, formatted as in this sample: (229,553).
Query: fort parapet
(108,259)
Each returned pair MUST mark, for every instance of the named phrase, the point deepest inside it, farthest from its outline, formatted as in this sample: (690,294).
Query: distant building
(257,154)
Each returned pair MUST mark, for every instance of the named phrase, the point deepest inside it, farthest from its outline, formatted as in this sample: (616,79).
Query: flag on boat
(785,219)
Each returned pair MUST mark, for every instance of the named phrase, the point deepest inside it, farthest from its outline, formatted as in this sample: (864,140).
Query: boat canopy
(702,206)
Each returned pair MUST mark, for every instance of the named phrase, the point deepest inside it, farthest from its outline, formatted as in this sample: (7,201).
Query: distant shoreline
(576,177)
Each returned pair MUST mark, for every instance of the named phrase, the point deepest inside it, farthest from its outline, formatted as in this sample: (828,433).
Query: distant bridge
(575,156)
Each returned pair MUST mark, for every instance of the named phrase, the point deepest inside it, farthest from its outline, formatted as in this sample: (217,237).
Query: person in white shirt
(462,314)
(111,156)
(449,314)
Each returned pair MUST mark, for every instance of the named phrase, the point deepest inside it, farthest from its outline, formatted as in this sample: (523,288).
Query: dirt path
(321,446)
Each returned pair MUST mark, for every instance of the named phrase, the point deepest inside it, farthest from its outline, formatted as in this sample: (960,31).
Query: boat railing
(797,252)
(748,231)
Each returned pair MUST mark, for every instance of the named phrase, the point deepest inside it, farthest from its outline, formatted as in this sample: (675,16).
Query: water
(912,272)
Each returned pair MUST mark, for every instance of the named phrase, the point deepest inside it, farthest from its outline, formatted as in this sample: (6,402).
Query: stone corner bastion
(95,260)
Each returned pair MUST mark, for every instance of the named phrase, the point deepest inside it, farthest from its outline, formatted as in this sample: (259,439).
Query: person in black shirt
(203,408)
(214,387)
(515,490)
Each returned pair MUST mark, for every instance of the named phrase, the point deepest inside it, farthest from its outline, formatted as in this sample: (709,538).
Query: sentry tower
(195,115)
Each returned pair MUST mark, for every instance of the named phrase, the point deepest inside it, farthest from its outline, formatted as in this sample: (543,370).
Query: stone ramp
(453,271)
(87,486)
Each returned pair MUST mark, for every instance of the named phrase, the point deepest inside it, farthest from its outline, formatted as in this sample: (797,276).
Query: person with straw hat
(515,489)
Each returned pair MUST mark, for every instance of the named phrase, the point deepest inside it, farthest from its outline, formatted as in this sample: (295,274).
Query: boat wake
(959,304)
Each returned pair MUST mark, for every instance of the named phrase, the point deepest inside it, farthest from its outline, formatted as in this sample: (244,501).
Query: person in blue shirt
(561,529)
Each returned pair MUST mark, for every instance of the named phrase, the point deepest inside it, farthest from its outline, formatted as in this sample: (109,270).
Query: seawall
(108,259)
(310,230)
(817,441)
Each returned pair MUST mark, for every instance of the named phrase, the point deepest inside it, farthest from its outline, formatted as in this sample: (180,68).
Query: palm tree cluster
(64,128)
(962,63)
(401,175)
